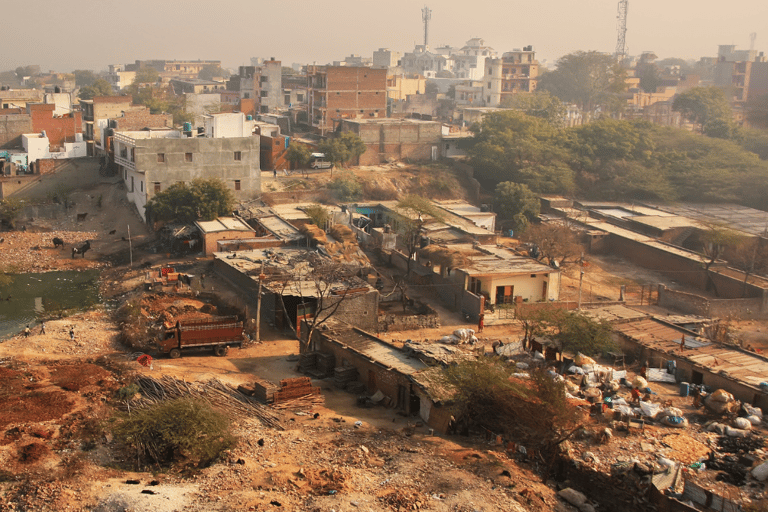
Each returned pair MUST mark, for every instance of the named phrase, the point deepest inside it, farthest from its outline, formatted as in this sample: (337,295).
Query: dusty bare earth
(57,397)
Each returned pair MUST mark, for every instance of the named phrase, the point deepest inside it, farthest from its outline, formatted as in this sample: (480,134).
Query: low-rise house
(395,139)
(223,229)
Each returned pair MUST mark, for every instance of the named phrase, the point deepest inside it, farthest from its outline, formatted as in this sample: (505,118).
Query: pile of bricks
(262,390)
(318,365)
(344,375)
(295,388)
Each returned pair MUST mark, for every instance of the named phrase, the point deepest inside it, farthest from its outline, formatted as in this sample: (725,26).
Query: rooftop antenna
(621,41)
(426,15)
(752,38)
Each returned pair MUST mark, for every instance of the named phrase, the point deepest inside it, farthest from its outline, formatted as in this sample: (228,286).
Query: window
(161,157)
(489,85)
(187,157)
(141,186)
(131,184)
(238,157)
(287,99)
(299,97)
(246,95)
(157,187)
(237,184)
(264,94)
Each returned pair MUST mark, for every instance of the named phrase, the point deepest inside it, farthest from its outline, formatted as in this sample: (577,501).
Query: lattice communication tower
(621,41)
(426,15)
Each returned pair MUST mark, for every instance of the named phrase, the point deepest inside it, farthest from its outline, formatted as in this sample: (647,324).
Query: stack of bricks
(264,391)
(344,375)
(291,389)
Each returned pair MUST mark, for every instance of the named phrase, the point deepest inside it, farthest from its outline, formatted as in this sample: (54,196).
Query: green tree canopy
(585,78)
(706,106)
(542,104)
(203,199)
(146,75)
(298,154)
(343,148)
(516,202)
(100,87)
(211,71)
(84,77)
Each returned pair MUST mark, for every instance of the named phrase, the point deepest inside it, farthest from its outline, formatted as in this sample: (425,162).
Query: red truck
(217,333)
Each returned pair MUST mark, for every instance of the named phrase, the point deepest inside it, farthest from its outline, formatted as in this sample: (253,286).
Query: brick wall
(703,306)
(143,118)
(58,129)
(12,127)
(211,240)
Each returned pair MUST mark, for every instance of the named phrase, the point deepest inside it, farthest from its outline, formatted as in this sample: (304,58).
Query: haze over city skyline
(91,35)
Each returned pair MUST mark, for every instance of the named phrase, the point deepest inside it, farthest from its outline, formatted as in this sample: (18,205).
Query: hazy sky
(90,34)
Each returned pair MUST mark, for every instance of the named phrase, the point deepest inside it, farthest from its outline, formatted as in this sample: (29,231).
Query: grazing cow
(82,249)
(113,232)
(58,242)
(81,216)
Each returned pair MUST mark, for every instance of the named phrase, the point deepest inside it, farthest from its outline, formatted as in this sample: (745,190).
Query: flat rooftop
(223,224)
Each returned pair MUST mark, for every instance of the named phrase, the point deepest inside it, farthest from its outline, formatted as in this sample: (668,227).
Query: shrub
(346,188)
(185,431)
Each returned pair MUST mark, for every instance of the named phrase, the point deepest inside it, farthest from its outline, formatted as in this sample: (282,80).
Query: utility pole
(621,41)
(426,15)
(581,278)
(130,245)
(258,305)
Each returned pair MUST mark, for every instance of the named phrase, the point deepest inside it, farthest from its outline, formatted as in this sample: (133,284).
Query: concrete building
(515,72)
(171,68)
(151,161)
(38,147)
(133,120)
(223,229)
(18,98)
(421,61)
(13,124)
(395,139)
(294,91)
(399,87)
(195,85)
(262,83)
(739,72)
(340,92)
(228,124)
(118,77)
(96,114)
(386,58)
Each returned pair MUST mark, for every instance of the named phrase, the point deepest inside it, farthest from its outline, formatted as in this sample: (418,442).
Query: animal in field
(113,232)
(58,242)
(82,249)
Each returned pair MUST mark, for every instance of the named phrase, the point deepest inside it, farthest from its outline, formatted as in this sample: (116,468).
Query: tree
(318,214)
(204,199)
(211,71)
(535,412)
(431,88)
(146,75)
(703,105)
(576,332)
(10,209)
(556,243)
(84,77)
(750,255)
(413,211)
(515,201)
(715,240)
(757,110)
(512,146)
(100,87)
(585,78)
(23,71)
(342,149)
(541,104)
(298,155)
(288,71)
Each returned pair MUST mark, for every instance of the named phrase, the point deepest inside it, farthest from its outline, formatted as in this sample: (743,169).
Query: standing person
(274,173)
(72,333)
(481,323)
(26,331)
(42,327)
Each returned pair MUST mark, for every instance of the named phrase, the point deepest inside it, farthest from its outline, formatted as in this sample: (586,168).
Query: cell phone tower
(621,40)
(426,15)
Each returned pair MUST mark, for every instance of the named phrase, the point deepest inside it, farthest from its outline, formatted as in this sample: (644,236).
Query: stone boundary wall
(697,305)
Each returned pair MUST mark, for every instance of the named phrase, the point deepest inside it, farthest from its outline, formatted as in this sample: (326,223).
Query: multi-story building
(294,90)
(262,83)
(515,72)
(386,58)
(96,115)
(341,92)
(118,77)
(178,68)
(58,129)
(467,62)
(737,71)
(150,161)
(195,85)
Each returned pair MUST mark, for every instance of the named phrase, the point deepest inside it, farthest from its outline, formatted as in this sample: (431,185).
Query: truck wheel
(221,350)
(174,353)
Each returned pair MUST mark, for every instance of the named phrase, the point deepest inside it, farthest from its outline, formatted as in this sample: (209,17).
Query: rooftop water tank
(249,118)
(187,127)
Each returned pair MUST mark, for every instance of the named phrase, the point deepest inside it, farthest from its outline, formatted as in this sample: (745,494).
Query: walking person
(481,322)
(42,327)
(274,173)
(72,333)
(26,331)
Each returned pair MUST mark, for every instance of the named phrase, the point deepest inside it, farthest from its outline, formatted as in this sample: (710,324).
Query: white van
(319,161)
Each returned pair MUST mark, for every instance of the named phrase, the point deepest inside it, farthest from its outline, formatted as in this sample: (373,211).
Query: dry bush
(375,192)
